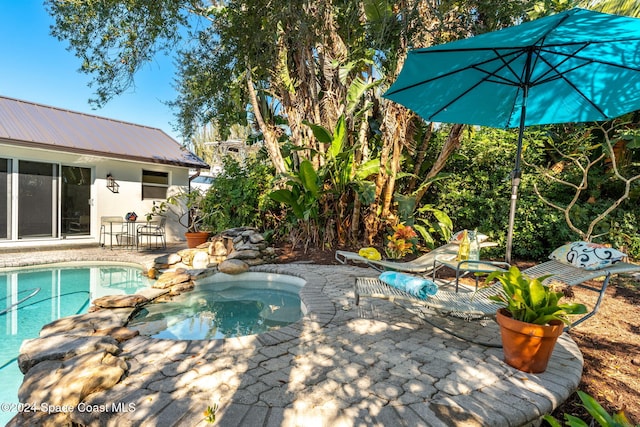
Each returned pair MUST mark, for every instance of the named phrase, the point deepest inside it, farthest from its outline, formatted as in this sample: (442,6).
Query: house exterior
(61,172)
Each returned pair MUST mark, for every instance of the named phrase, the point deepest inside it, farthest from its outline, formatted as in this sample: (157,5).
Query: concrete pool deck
(342,365)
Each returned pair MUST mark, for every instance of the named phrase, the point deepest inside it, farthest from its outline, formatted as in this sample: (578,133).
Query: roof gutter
(73,150)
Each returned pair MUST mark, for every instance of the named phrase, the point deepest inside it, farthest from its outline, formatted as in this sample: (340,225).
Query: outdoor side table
(107,229)
(471,266)
(116,226)
(128,238)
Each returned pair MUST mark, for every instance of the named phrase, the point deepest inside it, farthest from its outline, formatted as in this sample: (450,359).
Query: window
(154,185)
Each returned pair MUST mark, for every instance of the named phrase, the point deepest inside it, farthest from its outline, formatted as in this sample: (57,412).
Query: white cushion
(586,255)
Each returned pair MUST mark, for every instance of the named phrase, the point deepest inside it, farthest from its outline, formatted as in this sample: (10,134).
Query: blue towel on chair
(416,286)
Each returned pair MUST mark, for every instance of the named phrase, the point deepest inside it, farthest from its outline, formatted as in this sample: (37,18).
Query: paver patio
(373,364)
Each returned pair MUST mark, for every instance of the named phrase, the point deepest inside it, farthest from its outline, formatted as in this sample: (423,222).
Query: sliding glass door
(37,199)
(43,200)
(5,198)
(75,199)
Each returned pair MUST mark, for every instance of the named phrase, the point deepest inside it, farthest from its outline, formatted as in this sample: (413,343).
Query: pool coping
(309,297)
(318,310)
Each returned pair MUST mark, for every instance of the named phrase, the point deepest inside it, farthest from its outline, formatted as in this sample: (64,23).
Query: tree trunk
(372,219)
(450,145)
(421,153)
(270,134)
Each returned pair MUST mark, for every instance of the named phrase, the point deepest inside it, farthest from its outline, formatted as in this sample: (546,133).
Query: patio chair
(110,227)
(152,230)
(421,265)
(477,305)
(467,306)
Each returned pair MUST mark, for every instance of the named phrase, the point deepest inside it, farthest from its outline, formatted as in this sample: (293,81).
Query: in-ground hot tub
(225,306)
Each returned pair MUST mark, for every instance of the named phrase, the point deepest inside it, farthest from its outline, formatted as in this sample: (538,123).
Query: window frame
(154,186)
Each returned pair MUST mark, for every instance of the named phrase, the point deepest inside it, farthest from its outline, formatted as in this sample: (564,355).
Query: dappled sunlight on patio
(373,364)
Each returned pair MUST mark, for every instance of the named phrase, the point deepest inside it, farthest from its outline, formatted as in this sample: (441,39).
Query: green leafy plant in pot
(531,320)
(189,206)
(158,209)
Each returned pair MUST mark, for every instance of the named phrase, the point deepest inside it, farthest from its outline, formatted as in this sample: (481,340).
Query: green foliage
(135,31)
(190,207)
(210,413)
(431,231)
(476,194)
(319,198)
(340,170)
(528,300)
(549,7)
(623,233)
(238,196)
(618,7)
(589,174)
(303,194)
(157,209)
(602,417)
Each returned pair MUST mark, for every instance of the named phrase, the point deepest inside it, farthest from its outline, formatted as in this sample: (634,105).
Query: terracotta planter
(527,347)
(196,239)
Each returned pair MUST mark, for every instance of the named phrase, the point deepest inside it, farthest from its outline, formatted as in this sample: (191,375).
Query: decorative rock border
(245,246)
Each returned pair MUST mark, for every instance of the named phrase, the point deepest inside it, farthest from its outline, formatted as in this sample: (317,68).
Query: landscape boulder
(233,266)
(120,301)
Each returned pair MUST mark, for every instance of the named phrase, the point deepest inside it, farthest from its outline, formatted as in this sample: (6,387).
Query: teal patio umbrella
(575,66)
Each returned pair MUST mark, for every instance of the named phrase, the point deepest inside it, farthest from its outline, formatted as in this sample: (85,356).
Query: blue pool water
(31,298)
(223,306)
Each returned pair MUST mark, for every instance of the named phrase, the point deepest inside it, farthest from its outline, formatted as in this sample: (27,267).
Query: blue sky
(37,67)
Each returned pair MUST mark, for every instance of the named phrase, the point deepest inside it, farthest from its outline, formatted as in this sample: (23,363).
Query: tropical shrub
(402,242)
(623,232)
(477,190)
(238,196)
(599,414)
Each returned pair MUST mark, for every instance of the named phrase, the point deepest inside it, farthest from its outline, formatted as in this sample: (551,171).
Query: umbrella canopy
(575,66)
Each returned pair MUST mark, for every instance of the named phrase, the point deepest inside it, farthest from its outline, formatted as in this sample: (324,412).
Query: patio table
(125,231)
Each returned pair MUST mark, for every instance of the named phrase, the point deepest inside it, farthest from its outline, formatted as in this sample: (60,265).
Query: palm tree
(617,7)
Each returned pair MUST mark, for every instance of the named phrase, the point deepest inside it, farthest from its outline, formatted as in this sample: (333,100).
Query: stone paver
(373,364)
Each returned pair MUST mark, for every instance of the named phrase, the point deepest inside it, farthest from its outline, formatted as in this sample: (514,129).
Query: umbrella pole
(515,182)
(517,173)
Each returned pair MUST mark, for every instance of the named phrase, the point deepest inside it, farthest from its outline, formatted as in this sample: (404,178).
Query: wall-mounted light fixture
(112,184)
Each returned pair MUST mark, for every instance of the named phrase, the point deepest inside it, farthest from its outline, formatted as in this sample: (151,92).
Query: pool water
(223,307)
(32,298)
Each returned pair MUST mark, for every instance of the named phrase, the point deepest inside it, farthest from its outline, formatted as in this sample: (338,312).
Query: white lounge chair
(421,265)
(464,305)
(477,305)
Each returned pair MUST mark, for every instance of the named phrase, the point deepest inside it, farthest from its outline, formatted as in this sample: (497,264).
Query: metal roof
(27,124)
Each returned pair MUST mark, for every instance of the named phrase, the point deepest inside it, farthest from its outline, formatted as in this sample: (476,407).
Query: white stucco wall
(128,175)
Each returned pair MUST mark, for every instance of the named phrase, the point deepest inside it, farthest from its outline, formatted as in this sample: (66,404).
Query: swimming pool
(225,306)
(31,298)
